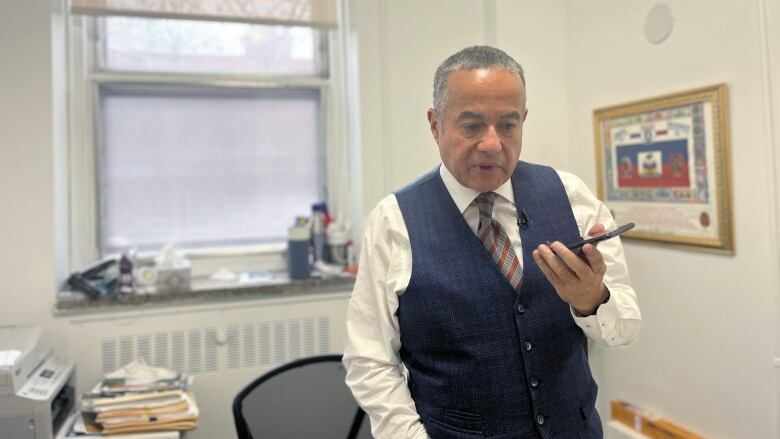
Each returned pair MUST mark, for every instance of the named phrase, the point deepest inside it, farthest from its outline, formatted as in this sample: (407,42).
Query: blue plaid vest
(484,361)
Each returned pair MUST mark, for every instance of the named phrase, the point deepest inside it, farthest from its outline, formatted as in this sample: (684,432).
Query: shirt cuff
(600,326)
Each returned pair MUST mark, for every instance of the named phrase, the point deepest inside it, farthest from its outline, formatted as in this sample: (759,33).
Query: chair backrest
(303,399)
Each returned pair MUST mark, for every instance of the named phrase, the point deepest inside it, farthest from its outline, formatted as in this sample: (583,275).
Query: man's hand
(579,282)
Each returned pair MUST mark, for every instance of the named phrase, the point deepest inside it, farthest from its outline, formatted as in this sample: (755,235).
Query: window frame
(84,81)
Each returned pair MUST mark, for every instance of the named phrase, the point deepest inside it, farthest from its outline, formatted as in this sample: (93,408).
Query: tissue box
(174,279)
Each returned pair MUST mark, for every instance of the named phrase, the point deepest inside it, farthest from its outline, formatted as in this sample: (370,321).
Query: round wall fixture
(659,23)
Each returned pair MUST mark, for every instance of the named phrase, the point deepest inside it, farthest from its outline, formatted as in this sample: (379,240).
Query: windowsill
(202,291)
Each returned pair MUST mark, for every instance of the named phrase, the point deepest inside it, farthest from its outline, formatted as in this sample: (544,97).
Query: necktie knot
(485,202)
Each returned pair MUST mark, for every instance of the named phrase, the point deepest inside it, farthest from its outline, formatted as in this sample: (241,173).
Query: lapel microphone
(522,220)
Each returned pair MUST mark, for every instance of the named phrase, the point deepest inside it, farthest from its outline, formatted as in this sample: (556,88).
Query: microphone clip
(522,220)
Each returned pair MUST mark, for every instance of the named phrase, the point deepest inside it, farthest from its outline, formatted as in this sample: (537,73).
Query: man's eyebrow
(511,115)
(470,115)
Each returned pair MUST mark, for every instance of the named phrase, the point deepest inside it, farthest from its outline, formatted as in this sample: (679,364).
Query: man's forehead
(484,77)
(478,86)
(477,115)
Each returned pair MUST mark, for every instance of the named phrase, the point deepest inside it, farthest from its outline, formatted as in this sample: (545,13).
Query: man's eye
(471,127)
(508,126)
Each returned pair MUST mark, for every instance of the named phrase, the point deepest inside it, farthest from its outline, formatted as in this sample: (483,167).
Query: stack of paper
(141,398)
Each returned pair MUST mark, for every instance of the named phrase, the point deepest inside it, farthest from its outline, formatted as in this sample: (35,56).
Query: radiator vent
(264,344)
(126,351)
(202,350)
(145,348)
(280,342)
(195,352)
(309,338)
(108,354)
(277,342)
(234,349)
(177,351)
(210,354)
(161,350)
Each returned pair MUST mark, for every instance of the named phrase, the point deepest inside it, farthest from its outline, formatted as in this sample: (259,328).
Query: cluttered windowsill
(109,286)
(204,291)
(317,258)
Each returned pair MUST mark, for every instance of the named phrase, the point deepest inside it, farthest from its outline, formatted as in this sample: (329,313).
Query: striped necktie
(496,241)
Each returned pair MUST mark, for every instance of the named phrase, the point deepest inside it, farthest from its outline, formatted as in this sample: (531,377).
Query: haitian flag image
(658,164)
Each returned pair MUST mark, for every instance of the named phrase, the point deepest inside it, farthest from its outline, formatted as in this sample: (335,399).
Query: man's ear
(434,124)
(525,114)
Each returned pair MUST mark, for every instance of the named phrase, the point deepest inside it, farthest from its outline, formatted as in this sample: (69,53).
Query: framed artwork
(663,164)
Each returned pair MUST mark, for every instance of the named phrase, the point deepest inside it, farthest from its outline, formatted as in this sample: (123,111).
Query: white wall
(534,32)
(705,355)
(772,25)
(401,42)
(32,126)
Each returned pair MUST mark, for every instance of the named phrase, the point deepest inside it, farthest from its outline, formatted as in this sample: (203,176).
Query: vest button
(534,382)
(520,308)
(540,419)
(527,346)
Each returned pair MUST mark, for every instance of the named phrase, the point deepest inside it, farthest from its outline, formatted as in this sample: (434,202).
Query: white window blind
(314,13)
(205,167)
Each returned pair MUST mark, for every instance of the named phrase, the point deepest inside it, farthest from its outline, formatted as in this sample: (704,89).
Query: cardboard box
(647,423)
(665,429)
(628,414)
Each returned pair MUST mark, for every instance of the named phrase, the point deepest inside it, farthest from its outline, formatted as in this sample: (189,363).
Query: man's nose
(490,141)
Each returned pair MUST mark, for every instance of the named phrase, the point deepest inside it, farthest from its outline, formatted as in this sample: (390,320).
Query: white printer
(37,389)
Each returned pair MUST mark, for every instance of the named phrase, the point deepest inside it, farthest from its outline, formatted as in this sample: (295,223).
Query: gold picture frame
(663,164)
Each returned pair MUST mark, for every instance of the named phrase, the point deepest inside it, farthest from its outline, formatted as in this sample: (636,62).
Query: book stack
(140,398)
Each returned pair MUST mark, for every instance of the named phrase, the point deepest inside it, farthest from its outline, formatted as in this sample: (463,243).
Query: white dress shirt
(371,356)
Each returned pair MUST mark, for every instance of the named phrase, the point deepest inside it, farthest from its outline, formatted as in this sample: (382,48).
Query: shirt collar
(463,196)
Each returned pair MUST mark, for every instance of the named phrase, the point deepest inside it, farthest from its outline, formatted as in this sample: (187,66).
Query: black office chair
(303,399)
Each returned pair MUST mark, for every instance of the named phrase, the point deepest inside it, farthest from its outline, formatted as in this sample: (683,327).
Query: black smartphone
(611,234)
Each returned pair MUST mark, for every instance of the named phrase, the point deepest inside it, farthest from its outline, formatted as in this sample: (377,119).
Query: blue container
(298,259)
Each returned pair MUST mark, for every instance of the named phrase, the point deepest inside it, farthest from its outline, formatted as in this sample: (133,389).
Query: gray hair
(470,58)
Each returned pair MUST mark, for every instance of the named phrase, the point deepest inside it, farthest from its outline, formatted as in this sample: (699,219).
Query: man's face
(480,133)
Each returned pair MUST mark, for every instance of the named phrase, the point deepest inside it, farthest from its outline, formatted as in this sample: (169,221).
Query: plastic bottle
(338,236)
(318,215)
(125,274)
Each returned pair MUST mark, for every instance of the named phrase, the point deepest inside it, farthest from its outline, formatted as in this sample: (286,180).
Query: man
(464,323)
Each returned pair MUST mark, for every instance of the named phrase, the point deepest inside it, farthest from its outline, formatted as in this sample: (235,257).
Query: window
(160,45)
(211,135)
(205,167)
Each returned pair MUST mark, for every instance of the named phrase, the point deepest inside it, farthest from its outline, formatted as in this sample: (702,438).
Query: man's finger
(572,260)
(556,264)
(598,229)
(595,259)
(548,272)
